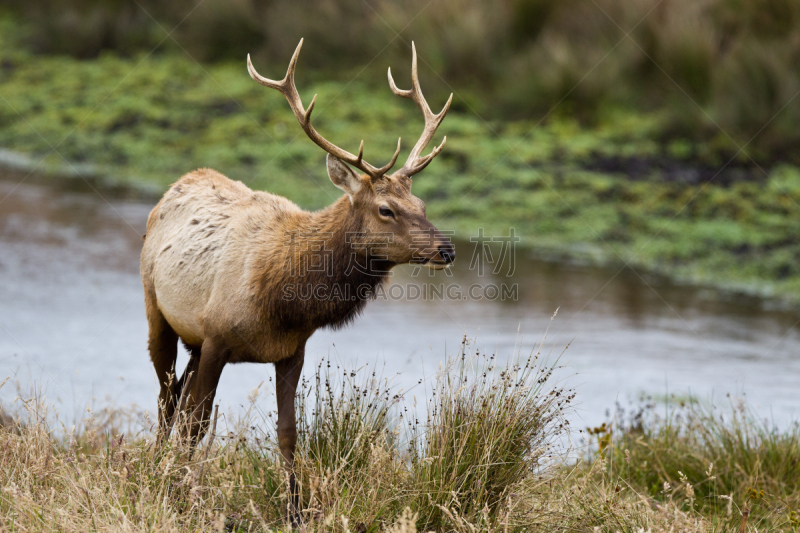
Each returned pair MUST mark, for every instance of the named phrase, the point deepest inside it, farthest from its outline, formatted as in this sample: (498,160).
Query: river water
(73,329)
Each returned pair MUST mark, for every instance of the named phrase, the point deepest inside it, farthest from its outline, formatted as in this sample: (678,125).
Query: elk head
(387,216)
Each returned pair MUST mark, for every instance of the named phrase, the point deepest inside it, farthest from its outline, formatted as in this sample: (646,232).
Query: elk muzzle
(432,249)
(447,252)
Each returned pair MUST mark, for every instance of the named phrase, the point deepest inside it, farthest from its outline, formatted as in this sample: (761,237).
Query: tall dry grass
(486,456)
(363,458)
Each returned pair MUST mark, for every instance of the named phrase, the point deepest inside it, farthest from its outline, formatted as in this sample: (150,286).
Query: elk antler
(415,163)
(287,88)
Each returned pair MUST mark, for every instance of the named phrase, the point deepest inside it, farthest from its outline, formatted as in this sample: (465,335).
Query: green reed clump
(347,417)
(490,427)
(347,460)
(718,461)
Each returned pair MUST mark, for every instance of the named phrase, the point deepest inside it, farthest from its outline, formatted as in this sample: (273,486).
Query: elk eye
(386,212)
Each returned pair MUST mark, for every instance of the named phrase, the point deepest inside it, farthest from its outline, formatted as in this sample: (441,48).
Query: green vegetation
(711,460)
(715,67)
(628,186)
(489,457)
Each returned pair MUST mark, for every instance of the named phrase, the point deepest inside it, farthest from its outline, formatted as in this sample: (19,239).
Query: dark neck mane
(330,280)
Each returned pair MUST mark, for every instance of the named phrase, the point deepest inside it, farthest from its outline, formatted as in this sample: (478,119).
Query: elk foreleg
(287,375)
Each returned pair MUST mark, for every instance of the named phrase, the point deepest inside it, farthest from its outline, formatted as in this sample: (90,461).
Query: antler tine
(385,168)
(422,162)
(287,87)
(360,151)
(415,87)
(415,163)
(288,79)
(395,90)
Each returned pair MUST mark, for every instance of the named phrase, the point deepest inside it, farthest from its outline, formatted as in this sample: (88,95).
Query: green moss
(146,120)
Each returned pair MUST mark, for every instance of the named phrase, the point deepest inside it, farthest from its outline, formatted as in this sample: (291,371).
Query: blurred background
(646,152)
(711,64)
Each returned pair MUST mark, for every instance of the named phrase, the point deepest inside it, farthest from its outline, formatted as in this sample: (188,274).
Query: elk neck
(335,228)
(331,280)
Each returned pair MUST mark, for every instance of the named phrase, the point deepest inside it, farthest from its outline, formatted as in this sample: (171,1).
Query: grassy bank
(488,457)
(625,189)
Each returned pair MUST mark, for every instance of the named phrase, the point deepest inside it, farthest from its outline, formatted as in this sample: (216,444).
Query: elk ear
(343,176)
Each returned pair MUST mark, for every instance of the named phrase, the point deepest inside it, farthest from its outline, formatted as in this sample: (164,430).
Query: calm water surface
(72,323)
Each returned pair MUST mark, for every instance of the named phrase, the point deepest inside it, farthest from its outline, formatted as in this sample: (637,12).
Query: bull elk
(214,266)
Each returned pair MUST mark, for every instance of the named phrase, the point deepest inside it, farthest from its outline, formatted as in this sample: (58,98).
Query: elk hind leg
(163,346)
(213,358)
(183,390)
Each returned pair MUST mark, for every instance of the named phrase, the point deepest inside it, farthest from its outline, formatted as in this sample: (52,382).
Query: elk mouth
(435,265)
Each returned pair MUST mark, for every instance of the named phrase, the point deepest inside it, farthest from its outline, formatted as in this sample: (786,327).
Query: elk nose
(447,253)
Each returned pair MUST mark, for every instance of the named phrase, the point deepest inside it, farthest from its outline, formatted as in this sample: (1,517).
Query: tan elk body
(218,257)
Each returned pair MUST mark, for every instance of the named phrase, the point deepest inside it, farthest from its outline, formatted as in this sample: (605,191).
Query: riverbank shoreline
(20,167)
(92,179)
(622,190)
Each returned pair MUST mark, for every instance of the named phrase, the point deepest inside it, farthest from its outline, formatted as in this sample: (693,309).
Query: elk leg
(183,391)
(287,375)
(191,367)
(212,361)
(163,346)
